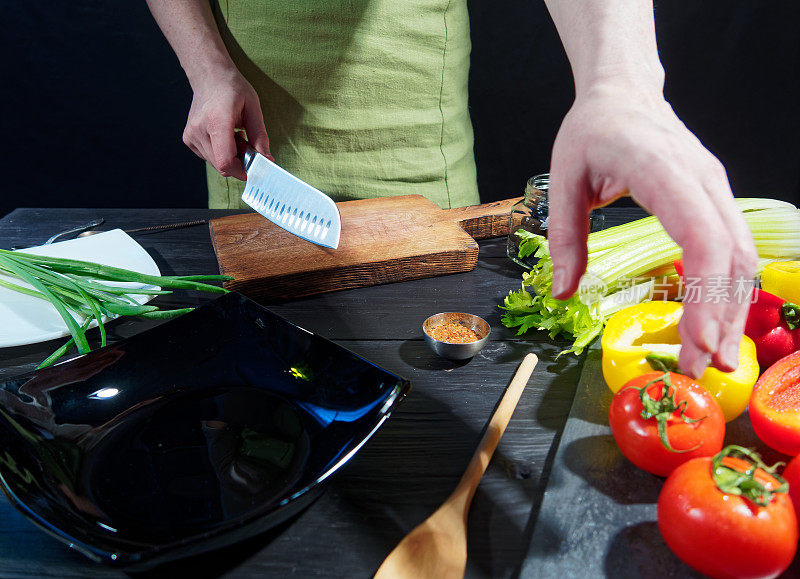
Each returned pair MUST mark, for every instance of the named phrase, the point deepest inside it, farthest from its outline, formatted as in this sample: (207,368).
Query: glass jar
(531,214)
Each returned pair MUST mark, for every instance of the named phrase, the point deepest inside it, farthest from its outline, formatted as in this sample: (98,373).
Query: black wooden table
(413,462)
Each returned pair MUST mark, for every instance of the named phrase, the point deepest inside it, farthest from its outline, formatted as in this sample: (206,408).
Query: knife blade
(289,202)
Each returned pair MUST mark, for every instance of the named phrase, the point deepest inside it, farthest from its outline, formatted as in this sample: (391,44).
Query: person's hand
(224,101)
(615,142)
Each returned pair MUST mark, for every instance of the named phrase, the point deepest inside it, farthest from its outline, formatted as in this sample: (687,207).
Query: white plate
(27,320)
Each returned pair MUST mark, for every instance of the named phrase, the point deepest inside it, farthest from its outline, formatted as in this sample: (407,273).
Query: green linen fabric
(361,98)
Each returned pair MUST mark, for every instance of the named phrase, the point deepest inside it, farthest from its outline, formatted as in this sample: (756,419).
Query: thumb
(568,228)
(253,121)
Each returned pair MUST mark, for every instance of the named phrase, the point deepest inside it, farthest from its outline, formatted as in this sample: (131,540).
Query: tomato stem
(663,407)
(663,362)
(735,482)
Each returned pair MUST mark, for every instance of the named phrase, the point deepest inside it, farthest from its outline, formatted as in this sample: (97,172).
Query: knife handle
(247,157)
(244,151)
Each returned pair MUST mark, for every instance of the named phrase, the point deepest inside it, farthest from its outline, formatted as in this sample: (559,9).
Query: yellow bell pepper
(637,331)
(782,279)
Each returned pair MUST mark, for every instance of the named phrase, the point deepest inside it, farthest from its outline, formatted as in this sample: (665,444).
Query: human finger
(691,219)
(199,143)
(194,149)
(193,136)
(567,231)
(744,260)
(253,121)
(726,358)
(223,146)
(707,260)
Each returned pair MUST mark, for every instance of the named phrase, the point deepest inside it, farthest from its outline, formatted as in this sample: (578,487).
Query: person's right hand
(223,102)
(618,139)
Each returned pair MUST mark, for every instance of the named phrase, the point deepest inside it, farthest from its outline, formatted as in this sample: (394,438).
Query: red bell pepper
(772,323)
(774,409)
(678,263)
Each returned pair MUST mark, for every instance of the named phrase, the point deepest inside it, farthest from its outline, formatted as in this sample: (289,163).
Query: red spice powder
(454,333)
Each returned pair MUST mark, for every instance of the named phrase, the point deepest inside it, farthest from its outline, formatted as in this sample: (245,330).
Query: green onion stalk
(77,291)
(620,264)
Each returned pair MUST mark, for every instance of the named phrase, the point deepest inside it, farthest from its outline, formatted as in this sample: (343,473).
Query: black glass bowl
(196,434)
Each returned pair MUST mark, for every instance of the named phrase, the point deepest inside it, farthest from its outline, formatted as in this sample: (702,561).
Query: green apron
(361,98)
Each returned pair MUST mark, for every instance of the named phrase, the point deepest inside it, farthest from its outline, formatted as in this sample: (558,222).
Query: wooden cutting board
(383,240)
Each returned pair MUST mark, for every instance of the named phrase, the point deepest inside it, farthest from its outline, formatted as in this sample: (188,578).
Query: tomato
(722,534)
(775,406)
(693,423)
(792,475)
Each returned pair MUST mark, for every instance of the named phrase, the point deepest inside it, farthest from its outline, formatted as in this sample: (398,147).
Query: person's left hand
(618,141)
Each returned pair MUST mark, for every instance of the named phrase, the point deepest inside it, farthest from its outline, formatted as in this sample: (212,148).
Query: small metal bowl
(450,350)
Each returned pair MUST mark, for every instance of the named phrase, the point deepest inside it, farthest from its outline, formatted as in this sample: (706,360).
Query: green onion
(93,304)
(22,290)
(165,314)
(109,273)
(51,359)
(623,253)
(76,286)
(11,266)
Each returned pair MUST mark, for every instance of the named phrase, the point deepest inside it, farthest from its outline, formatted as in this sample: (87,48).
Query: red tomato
(792,475)
(639,439)
(722,534)
(775,406)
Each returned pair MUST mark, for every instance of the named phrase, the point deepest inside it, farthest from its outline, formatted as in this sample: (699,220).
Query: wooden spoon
(438,546)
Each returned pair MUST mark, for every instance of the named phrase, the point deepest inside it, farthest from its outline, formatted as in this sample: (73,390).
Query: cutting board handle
(486,220)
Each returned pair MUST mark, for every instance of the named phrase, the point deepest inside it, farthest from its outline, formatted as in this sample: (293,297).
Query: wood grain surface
(383,240)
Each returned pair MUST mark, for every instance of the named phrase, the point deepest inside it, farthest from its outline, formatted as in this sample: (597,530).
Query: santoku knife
(289,202)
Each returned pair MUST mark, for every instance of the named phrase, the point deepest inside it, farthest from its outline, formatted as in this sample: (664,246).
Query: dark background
(93,100)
